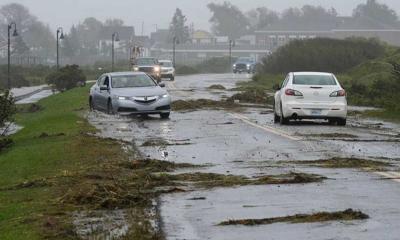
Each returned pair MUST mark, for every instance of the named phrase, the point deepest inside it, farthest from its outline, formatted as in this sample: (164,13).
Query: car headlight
(234,65)
(248,65)
(136,69)
(122,98)
(157,69)
(163,96)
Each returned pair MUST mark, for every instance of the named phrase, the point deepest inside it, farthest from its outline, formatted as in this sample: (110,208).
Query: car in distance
(128,93)
(148,65)
(244,64)
(167,69)
(310,95)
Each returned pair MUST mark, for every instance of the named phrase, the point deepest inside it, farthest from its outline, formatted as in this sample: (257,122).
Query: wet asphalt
(249,143)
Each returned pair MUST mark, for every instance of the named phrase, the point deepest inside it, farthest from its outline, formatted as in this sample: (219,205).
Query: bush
(322,54)
(67,78)
(16,76)
(7,108)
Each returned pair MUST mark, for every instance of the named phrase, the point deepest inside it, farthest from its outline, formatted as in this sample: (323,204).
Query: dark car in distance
(244,64)
(148,65)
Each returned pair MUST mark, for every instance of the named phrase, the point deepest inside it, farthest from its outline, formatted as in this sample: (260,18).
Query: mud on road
(236,148)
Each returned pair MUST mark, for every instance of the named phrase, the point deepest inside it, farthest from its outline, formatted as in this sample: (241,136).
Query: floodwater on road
(248,143)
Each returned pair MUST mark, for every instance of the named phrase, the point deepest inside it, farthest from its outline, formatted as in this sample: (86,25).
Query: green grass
(386,114)
(32,158)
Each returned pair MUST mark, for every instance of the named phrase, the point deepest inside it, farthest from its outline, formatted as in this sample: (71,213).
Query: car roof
(311,73)
(114,74)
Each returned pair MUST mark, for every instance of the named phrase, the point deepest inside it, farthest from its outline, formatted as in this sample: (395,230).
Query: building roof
(201,34)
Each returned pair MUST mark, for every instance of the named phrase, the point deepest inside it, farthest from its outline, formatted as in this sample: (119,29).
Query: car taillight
(340,93)
(291,92)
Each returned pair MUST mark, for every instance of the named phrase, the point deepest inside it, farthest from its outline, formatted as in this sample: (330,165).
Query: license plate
(316,112)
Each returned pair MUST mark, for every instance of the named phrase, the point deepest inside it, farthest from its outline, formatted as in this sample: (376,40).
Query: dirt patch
(5,143)
(216,87)
(347,215)
(211,180)
(252,96)
(330,135)
(30,108)
(46,135)
(182,105)
(346,163)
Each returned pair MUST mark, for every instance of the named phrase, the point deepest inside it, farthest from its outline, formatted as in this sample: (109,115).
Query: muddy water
(248,143)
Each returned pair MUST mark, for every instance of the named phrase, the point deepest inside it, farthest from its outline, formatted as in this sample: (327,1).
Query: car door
(104,94)
(96,91)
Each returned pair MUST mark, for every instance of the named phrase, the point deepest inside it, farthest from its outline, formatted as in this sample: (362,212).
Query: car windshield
(314,80)
(166,64)
(130,81)
(146,61)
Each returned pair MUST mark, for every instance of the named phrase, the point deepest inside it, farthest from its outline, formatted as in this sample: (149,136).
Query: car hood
(139,92)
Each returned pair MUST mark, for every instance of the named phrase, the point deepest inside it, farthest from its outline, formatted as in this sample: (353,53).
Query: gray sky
(67,12)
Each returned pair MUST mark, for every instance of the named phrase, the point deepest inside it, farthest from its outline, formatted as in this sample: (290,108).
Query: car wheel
(282,119)
(91,105)
(172,78)
(276,117)
(332,121)
(110,109)
(342,122)
(164,115)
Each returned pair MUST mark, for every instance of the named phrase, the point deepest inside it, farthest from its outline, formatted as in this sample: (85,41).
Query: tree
(114,22)
(7,107)
(178,27)
(20,46)
(261,17)
(72,43)
(228,20)
(36,35)
(379,12)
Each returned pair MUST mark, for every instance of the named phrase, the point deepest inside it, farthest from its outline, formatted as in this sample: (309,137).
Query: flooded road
(248,143)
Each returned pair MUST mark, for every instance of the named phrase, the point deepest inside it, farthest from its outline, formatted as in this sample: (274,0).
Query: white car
(310,95)
(167,69)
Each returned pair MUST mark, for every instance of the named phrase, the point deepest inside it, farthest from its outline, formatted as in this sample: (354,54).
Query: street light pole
(230,52)
(59,31)
(115,38)
(15,33)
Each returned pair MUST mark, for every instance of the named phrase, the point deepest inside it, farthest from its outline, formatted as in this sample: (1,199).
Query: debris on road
(182,105)
(251,96)
(216,87)
(345,163)
(347,215)
(330,135)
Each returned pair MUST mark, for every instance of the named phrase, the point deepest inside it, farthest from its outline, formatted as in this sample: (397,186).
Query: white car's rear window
(314,80)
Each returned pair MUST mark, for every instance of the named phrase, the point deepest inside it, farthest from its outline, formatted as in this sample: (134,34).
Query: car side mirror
(104,88)
(276,87)
(161,85)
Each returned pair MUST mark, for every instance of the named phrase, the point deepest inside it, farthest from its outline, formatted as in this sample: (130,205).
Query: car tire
(332,121)
(110,109)
(164,115)
(276,117)
(282,119)
(91,105)
(172,78)
(342,121)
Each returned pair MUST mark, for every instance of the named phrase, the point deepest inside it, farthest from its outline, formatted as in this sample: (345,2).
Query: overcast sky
(67,12)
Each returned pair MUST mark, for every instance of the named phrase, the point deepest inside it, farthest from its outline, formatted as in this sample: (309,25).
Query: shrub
(7,108)
(67,78)
(322,54)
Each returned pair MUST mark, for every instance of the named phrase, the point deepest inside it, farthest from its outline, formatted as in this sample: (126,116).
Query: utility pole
(115,38)
(231,45)
(15,34)
(175,41)
(59,37)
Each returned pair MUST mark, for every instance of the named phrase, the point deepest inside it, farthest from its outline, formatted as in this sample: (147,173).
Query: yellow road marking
(265,128)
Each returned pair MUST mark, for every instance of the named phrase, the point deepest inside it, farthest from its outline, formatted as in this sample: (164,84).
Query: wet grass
(387,115)
(346,163)
(257,96)
(347,215)
(216,87)
(182,105)
(162,143)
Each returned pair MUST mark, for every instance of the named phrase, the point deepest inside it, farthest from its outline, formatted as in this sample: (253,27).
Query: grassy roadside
(52,145)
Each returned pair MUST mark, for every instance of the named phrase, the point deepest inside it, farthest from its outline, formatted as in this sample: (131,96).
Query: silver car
(130,93)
